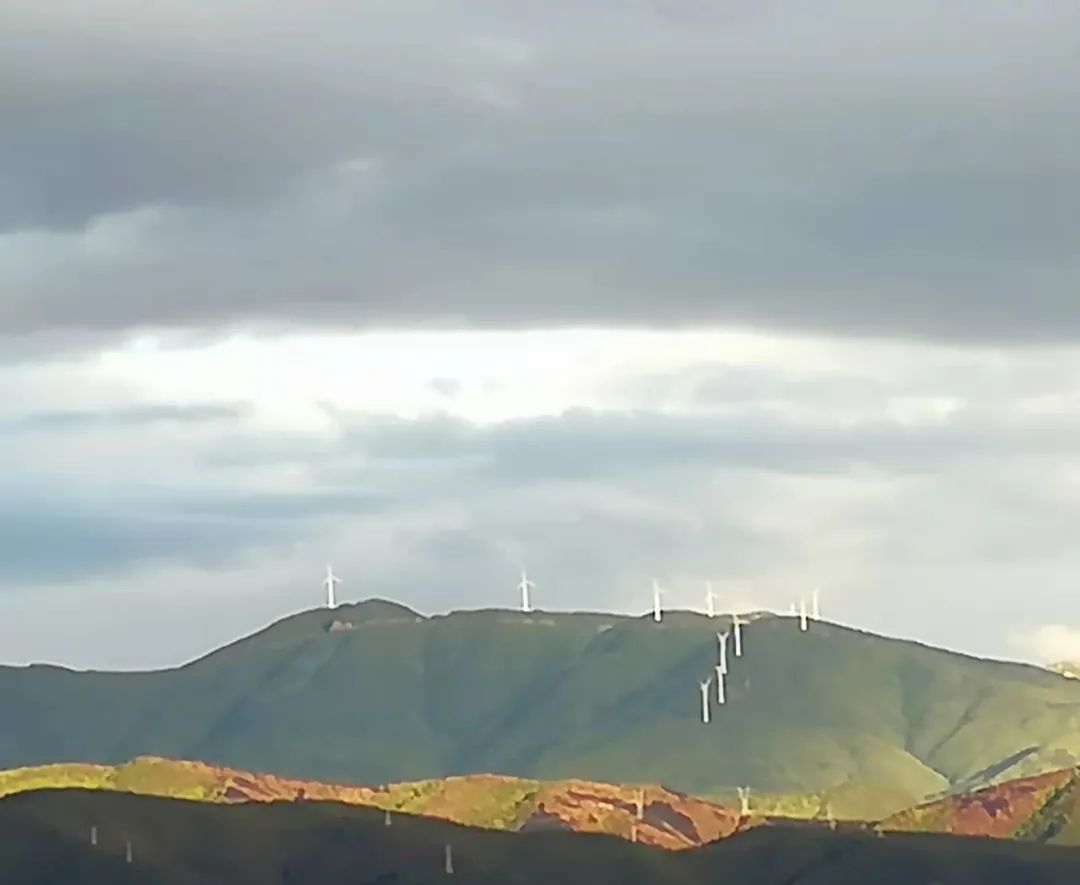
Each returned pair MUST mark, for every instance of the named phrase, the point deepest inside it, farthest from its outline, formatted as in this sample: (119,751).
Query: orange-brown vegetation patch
(652,814)
(649,814)
(995,812)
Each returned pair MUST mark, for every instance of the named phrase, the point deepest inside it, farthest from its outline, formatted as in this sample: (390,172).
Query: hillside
(831,722)
(1068,669)
(649,814)
(1045,808)
(48,841)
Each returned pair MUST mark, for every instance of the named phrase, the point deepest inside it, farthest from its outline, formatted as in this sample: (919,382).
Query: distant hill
(1045,808)
(1068,669)
(48,836)
(830,722)
(649,814)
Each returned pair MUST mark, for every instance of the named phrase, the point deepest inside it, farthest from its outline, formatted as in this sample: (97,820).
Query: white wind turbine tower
(720,697)
(525,586)
(710,600)
(656,606)
(737,624)
(330,582)
(705,700)
(802,614)
(744,801)
(722,638)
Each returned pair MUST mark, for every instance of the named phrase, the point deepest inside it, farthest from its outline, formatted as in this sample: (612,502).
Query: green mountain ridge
(835,720)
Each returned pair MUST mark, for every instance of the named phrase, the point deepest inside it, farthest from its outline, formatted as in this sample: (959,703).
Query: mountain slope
(843,722)
(649,814)
(1045,808)
(47,841)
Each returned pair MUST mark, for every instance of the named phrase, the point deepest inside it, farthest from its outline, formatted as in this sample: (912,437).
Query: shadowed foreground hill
(47,842)
(831,721)
(649,814)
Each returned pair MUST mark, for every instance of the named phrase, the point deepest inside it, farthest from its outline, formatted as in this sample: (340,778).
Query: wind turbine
(815,604)
(720,698)
(525,586)
(657,611)
(744,801)
(710,600)
(737,624)
(330,582)
(802,614)
(722,638)
(705,700)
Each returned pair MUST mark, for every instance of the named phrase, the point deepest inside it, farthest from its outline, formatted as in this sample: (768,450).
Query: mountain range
(832,722)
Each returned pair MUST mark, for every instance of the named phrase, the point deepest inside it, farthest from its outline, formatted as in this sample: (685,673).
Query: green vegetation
(835,721)
(1052,818)
(148,777)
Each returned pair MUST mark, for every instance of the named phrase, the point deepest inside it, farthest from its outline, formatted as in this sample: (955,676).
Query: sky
(774,295)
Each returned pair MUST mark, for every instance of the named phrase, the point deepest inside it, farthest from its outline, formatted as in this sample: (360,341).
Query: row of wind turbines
(737,623)
(526,586)
(721,669)
(735,634)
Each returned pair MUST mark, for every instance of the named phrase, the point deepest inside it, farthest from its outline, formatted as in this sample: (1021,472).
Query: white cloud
(1051,643)
(428,464)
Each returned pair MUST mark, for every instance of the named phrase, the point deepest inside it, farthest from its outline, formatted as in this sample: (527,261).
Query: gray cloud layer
(897,171)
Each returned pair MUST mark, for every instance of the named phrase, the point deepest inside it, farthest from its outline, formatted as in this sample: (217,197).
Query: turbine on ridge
(525,586)
(330,582)
(737,624)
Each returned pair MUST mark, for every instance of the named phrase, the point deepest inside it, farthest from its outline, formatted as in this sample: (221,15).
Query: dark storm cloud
(76,534)
(582,444)
(895,171)
(47,541)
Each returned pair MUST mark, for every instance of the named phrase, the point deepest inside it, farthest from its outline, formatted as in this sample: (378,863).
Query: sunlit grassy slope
(831,722)
(644,813)
(1044,808)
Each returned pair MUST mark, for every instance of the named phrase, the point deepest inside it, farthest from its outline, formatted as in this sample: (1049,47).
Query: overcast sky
(773,294)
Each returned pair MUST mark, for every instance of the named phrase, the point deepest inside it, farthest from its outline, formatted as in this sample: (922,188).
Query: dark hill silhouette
(46,841)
